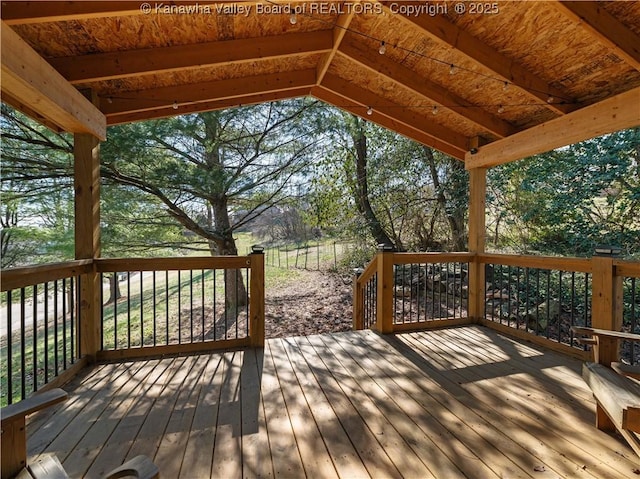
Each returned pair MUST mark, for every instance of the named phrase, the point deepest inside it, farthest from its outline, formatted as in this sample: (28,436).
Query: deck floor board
(459,402)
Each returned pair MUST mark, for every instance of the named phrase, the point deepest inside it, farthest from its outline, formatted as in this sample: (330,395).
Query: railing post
(477,234)
(606,305)
(256,298)
(606,313)
(384,293)
(358,301)
(86,151)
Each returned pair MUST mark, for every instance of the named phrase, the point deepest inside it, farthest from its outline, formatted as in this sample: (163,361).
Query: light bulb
(369,111)
(550,99)
(383,49)
(505,87)
(293,19)
(434,110)
(452,69)
(175,105)
(500,109)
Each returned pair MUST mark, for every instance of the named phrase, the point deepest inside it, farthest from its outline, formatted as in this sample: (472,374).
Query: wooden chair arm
(20,410)
(140,467)
(13,446)
(605,333)
(626,370)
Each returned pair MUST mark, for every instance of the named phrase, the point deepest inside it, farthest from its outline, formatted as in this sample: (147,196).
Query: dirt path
(311,302)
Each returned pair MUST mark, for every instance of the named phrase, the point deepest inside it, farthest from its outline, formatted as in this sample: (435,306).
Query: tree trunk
(218,219)
(362,186)
(453,215)
(114,288)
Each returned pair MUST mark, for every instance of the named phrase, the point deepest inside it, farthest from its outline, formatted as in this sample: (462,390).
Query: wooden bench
(617,394)
(14,445)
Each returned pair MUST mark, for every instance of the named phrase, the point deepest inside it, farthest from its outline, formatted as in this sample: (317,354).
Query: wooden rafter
(15,13)
(339,101)
(425,88)
(159,98)
(441,30)
(167,112)
(392,110)
(339,31)
(605,28)
(613,114)
(29,80)
(106,66)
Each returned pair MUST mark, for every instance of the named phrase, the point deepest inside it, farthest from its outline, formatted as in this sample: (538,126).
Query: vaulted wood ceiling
(475,84)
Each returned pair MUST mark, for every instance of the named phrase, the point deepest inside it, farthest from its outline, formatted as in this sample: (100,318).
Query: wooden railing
(404,291)
(530,297)
(41,321)
(538,297)
(628,274)
(364,296)
(175,305)
(167,306)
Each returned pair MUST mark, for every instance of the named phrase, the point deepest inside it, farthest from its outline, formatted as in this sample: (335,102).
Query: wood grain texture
(459,402)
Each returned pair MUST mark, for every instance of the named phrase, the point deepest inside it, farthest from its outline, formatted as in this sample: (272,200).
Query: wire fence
(310,255)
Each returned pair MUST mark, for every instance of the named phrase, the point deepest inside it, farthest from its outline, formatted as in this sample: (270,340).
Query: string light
(452,70)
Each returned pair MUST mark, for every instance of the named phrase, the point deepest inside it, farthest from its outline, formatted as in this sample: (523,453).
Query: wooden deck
(463,402)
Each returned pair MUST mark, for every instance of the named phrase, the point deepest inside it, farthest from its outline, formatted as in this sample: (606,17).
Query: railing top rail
(369,271)
(627,268)
(107,265)
(432,257)
(15,278)
(582,265)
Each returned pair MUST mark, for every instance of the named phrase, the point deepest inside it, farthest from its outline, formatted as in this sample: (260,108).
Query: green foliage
(570,200)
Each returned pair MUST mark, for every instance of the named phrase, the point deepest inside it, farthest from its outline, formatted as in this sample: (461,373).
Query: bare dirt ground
(312,302)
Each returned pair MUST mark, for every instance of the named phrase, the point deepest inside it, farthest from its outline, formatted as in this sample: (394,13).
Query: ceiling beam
(16,13)
(613,114)
(388,108)
(605,28)
(332,98)
(106,66)
(208,106)
(440,29)
(339,31)
(385,66)
(27,79)
(159,98)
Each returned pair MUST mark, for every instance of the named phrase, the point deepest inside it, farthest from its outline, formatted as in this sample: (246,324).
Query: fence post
(384,294)
(358,301)
(256,298)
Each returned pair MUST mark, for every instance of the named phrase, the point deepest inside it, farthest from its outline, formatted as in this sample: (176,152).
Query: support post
(384,293)
(256,298)
(476,244)
(358,301)
(606,313)
(606,307)
(86,153)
